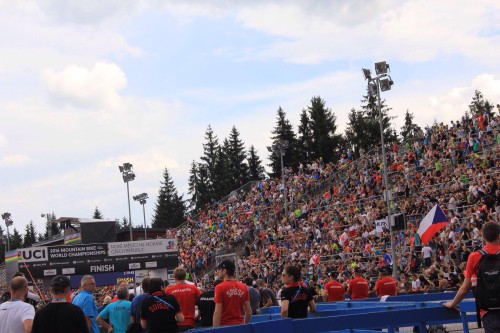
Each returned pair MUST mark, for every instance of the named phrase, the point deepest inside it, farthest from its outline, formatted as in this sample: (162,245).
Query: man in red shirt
(230,297)
(186,295)
(385,285)
(333,290)
(358,287)
(491,319)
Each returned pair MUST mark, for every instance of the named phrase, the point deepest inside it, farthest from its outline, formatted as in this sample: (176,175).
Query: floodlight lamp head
(386,84)
(5,216)
(367,73)
(127,166)
(381,67)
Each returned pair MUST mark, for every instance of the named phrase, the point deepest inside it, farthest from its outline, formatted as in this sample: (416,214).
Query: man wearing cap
(230,297)
(85,301)
(333,290)
(59,316)
(358,287)
(385,285)
(16,316)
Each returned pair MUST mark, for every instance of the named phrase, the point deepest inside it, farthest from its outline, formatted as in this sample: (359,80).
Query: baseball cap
(228,265)
(60,281)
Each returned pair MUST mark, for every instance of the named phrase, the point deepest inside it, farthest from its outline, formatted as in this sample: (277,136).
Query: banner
(77,251)
(104,279)
(160,245)
(380,225)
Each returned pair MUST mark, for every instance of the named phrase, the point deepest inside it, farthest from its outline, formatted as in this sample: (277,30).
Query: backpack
(488,281)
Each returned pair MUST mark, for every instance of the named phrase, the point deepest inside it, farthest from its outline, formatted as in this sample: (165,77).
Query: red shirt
(335,291)
(359,288)
(186,295)
(386,286)
(473,262)
(232,295)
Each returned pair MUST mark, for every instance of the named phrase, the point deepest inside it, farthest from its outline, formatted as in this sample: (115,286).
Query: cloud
(15,160)
(96,87)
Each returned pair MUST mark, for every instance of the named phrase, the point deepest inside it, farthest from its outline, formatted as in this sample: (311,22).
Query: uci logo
(33,254)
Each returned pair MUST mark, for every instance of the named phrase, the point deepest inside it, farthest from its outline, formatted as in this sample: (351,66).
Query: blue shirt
(136,306)
(118,314)
(85,301)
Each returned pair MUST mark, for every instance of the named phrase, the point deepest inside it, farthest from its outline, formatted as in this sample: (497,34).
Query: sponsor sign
(77,251)
(49,272)
(104,279)
(33,254)
(142,247)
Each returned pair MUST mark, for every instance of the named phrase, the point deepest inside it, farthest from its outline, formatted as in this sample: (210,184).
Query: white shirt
(13,314)
(427,251)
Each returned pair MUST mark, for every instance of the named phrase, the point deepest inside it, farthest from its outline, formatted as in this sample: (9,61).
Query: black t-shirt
(159,315)
(299,297)
(60,318)
(206,307)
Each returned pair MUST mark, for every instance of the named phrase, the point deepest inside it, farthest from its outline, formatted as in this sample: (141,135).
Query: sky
(86,86)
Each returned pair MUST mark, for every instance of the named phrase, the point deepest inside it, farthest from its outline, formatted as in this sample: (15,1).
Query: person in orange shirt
(186,295)
(491,234)
(385,285)
(333,290)
(358,287)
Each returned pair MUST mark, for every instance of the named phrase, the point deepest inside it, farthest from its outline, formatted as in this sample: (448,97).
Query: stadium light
(383,82)
(279,149)
(8,223)
(142,200)
(128,175)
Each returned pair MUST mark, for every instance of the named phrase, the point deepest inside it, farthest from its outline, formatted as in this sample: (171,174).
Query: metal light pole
(8,223)
(128,175)
(142,200)
(49,223)
(383,82)
(279,148)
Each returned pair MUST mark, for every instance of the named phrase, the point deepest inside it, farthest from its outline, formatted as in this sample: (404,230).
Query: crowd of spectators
(333,208)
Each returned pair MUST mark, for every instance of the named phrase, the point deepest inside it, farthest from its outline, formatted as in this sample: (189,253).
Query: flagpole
(386,185)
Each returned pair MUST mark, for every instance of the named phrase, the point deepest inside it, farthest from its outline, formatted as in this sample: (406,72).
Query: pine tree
(283,131)
(237,169)
(323,128)
(29,235)
(198,178)
(256,170)
(409,129)
(222,182)
(356,130)
(125,223)
(170,209)
(479,104)
(97,214)
(16,240)
(3,241)
(305,142)
(210,152)
(52,227)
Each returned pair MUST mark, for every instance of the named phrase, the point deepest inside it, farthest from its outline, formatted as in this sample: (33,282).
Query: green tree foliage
(256,170)
(29,235)
(170,208)
(409,129)
(323,127)
(237,168)
(305,142)
(16,240)
(3,241)
(198,177)
(52,227)
(97,214)
(479,104)
(363,128)
(283,131)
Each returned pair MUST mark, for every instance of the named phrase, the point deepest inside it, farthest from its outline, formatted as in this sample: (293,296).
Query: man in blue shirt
(85,301)
(136,302)
(117,312)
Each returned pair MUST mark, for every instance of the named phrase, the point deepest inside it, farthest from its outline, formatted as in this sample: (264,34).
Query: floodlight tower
(279,149)
(383,81)
(8,223)
(142,200)
(128,175)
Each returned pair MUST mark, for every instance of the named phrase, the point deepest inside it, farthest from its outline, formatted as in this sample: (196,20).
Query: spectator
(16,316)
(135,308)
(85,301)
(60,316)
(358,287)
(206,306)
(333,290)
(296,297)
(160,312)
(267,296)
(254,295)
(118,313)
(386,285)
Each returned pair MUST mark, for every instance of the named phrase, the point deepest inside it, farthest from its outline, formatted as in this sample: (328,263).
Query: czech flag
(434,221)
